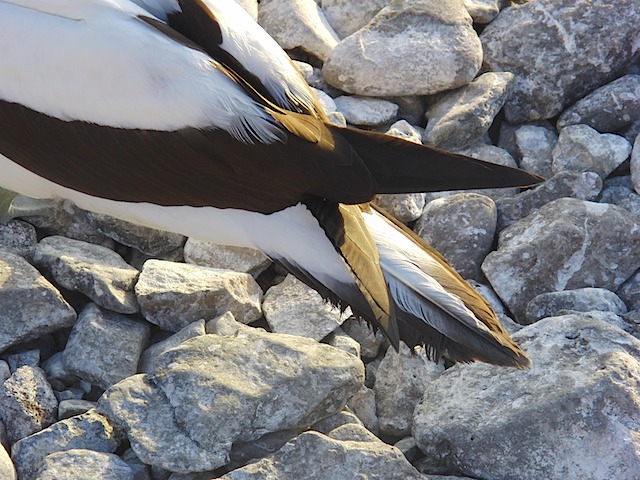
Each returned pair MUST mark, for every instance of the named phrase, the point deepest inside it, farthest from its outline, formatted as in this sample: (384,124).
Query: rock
(635,165)
(563,246)
(408,48)
(245,452)
(583,186)
(558,50)
(89,430)
(115,342)
(27,403)
(326,102)
(363,406)
(406,207)
(366,111)
(406,131)
(298,24)
(31,307)
(580,148)
(173,295)
(19,238)
(83,465)
(608,108)
(580,300)
(72,407)
(629,292)
(238,259)
(95,271)
(569,416)
(535,144)
(482,11)
(622,195)
(462,228)
(5,371)
(400,382)
(315,456)
(460,118)
(148,357)
(330,423)
(369,340)
(139,469)
(248,384)
(7,471)
(251,6)
(339,339)
(293,308)
(25,357)
(347,17)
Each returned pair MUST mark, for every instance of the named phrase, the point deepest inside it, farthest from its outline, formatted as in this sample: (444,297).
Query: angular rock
(298,24)
(460,118)
(243,453)
(608,108)
(80,464)
(635,164)
(337,420)
(366,111)
(7,470)
(72,407)
(558,50)
(104,347)
(339,339)
(292,307)
(173,295)
(629,292)
(348,17)
(95,271)
(583,186)
(212,391)
(27,403)
(315,456)
(622,196)
(569,416)
(89,430)
(139,469)
(563,246)
(30,305)
(406,131)
(57,374)
(580,300)
(148,357)
(370,341)
(580,148)
(406,207)
(461,227)
(238,259)
(25,357)
(19,238)
(482,11)
(408,48)
(535,144)
(363,406)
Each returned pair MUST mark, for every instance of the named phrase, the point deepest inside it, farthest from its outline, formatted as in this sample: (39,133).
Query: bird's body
(184,115)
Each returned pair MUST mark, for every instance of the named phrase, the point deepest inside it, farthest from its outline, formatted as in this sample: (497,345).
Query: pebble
(366,111)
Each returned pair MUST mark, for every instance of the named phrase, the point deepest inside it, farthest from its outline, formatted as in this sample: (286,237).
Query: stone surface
(80,464)
(251,6)
(563,246)
(460,118)
(173,295)
(150,354)
(32,306)
(7,470)
(238,259)
(580,148)
(403,129)
(406,207)
(19,238)
(363,406)
(370,341)
(570,416)
(629,292)
(93,270)
(293,308)
(462,228)
(27,403)
(347,17)
(89,430)
(635,164)
(482,11)
(559,50)
(366,111)
(535,144)
(298,24)
(246,384)
(57,374)
(72,407)
(339,339)
(408,48)
(114,340)
(582,300)
(608,108)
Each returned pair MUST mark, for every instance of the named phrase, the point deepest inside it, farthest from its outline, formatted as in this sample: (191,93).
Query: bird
(186,116)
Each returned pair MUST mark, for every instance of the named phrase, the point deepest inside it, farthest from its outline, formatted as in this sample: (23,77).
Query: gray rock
(363,406)
(27,403)
(369,340)
(5,371)
(608,108)
(243,453)
(408,48)
(353,432)
(314,456)
(482,11)
(72,407)
(292,307)
(406,207)
(104,347)
(57,374)
(19,238)
(339,339)
(403,129)
(629,292)
(635,164)
(347,17)
(247,384)
(462,228)
(173,295)
(330,423)
(25,357)
(558,50)
(7,470)
(89,430)
(582,300)
(29,305)
(238,259)
(569,416)
(400,383)
(563,246)
(139,469)
(460,118)
(83,465)
(622,195)
(583,186)
(298,24)
(326,102)
(147,358)
(93,270)
(535,144)
(368,112)
(580,148)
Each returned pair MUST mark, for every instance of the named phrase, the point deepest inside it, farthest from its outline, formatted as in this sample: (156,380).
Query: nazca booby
(184,115)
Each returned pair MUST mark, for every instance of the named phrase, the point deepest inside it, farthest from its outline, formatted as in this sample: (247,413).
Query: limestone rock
(238,259)
(81,464)
(535,144)
(482,11)
(150,354)
(19,238)
(582,300)
(366,111)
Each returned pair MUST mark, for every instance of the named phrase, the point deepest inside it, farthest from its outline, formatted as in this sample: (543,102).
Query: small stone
(482,11)
(25,357)
(370,341)
(238,259)
(535,145)
(83,464)
(339,339)
(19,238)
(366,111)
(150,354)
(581,300)
(363,406)
(57,373)
(406,131)
(72,407)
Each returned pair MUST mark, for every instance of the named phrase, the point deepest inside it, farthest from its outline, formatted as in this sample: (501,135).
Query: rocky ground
(125,355)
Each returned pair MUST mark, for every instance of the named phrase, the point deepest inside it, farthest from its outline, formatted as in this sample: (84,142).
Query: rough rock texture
(535,144)
(408,48)
(573,415)
(635,164)
(629,292)
(366,111)
(370,341)
(172,295)
(7,470)
(346,16)
(238,259)
(81,464)
(547,45)
(482,11)
(149,356)
(563,246)
(19,238)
